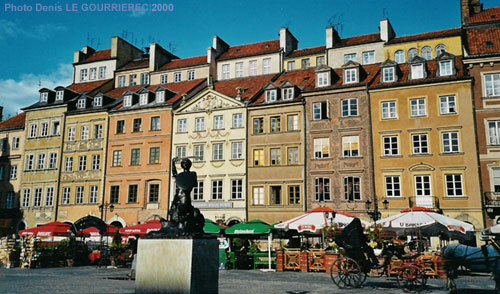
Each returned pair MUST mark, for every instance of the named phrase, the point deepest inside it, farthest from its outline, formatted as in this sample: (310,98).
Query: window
(237,120)
(198,191)
(217,151)
(117,158)
(52,160)
(155,123)
(390,145)
(293,195)
(258,157)
(440,49)
(44,96)
(84,133)
(181,125)
(93,194)
(135,156)
(15,143)
(121,81)
(127,101)
(266,66)
(271,95)
(494,132)
(44,129)
(144,79)
(30,161)
(450,142)
(66,195)
(258,196)
(190,75)
(79,195)
(350,146)
(199,124)
(445,68)
(177,77)
(143,99)
(41,161)
(369,57)
(237,189)
(495,174)
(275,156)
(350,107)
(417,107)
(323,80)
(293,155)
(163,79)
(420,144)
(33,130)
(37,197)
(82,162)
(239,70)
(276,195)
(3,144)
(132,80)
(199,152)
(154,193)
(320,110)
(447,104)
(154,155)
(287,94)
(427,53)
(350,75)
(114,194)
(120,126)
(13,172)
(56,128)
(389,110)
(412,53)
(352,188)
(320,60)
(93,73)
(275,124)
(252,69)
(96,162)
(83,74)
(97,101)
(180,151)
(218,122)
(321,147)
(59,95)
(68,164)
(392,186)
(417,71)
(98,131)
(305,63)
(389,75)
(454,185)
(492,84)
(9,200)
(423,185)
(399,56)
(217,190)
(258,125)
(137,125)
(322,189)
(160,96)
(226,74)
(290,65)
(292,122)
(237,150)
(102,72)
(26,197)
(349,57)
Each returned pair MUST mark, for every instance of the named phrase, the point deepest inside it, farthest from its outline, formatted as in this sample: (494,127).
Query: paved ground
(92,280)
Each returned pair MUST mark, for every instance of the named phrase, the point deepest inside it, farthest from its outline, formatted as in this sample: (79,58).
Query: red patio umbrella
(142,229)
(93,231)
(48,230)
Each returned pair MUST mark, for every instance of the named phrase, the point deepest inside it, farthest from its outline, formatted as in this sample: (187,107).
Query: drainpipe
(63,129)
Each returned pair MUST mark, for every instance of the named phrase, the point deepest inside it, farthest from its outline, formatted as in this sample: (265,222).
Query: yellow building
(305,58)
(422,126)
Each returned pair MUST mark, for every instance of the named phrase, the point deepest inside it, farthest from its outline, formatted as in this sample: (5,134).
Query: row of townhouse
(374,120)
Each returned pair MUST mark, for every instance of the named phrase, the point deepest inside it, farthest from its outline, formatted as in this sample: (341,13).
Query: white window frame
(155,123)
(450,142)
(226,71)
(96,161)
(217,189)
(144,78)
(199,152)
(198,191)
(160,96)
(102,72)
(16,142)
(121,81)
(287,93)
(399,56)
(454,182)
(448,104)
(420,143)
(180,151)
(320,145)
(357,195)
(164,79)
(40,161)
(237,120)
(271,95)
(218,151)
(445,68)
(97,101)
(71,133)
(37,196)
(82,163)
(325,194)
(59,95)
(68,164)
(417,71)
(491,84)
(494,132)
(44,97)
(52,160)
(49,196)
(349,107)
(199,124)
(350,75)
(252,68)
(29,162)
(117,158)
(44,129)
(238,70)
(84,133)
(266,66)
(427,52)
(392,186)
(190,75)
(318,110)
(26,197)
(93,194)
(66,195)
(182,125)
(33,130)
(292,121)
(418,107)
(83,74)
(79,194)
(422,191)
(237,150)
(98,131)
(348,149)
(323,79)
(369,57)
(237,189)
(389,109)
(13,172)
(218,122)
(127,100)
(93,73)
(258,195)
(389,74)
(388,143)
(349,57)
(143,98)
(132,80)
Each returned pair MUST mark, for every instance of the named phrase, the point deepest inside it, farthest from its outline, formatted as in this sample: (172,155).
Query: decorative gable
(209,101)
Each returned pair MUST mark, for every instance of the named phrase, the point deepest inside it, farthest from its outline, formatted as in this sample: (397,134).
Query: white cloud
(19,93)
(10,29)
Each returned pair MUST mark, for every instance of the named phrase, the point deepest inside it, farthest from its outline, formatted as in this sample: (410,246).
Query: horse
(484,259)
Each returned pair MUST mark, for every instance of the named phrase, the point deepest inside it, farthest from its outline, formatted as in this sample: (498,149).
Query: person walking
(133,246)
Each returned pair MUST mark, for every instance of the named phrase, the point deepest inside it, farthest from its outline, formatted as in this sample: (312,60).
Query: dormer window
(389,75)
(445,68)
(322,79)
(59,95)
(271,95)
(417,71)
(44,96)
(160,97)
(127,101)
(351,75)
(143,99)
(97,101)
(287,93)
(80,104)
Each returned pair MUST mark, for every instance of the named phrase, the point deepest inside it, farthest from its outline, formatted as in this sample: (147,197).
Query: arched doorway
(21,226)
(117,224)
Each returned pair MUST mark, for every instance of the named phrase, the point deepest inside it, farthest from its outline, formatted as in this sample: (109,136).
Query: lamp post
(375,213)
(103,208)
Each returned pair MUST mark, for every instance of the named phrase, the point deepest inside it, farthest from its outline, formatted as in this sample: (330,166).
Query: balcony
(492,203)
(431,202)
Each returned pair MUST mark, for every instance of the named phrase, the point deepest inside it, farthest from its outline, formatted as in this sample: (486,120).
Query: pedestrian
(133,247)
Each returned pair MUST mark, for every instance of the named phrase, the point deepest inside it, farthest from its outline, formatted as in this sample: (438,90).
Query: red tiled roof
(118,92)
(251,49)
(99,55)
(185,62)
(483,40)
(428,35)
(357,40)
(307,51)
(179,88)
(17,121)
(305,79)
(250,86)
(136,63)
(86,87)
(487,15)
(431,74)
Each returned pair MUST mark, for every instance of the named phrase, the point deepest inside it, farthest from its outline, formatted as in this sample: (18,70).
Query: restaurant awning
(253,227)
(93,231)
(212,227)
(141,229)
(48,230)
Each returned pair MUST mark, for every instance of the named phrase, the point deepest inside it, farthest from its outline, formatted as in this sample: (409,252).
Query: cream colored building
(184,69)
(305,58)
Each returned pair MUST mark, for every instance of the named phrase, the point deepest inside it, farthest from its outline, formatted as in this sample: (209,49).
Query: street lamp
(374,214)
(103,208)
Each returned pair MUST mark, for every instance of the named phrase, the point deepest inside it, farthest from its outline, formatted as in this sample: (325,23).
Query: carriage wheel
(346,273)
(411,278)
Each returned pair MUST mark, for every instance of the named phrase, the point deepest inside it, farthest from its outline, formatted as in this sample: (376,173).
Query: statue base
(176,266)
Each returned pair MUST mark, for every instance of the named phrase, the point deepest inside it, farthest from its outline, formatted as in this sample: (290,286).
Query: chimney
(219,45)
(239,90)
(287,41)
(386,30)
(469,8)
(332,37)
(158,56)
(82,55)
(87,50)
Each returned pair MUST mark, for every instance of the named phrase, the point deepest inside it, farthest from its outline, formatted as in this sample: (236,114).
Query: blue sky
(38,46)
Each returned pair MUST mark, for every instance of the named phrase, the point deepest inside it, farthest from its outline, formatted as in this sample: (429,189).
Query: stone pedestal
(176,266)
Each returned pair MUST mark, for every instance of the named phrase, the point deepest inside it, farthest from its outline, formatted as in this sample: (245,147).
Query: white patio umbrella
(494,230)
(428,222)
